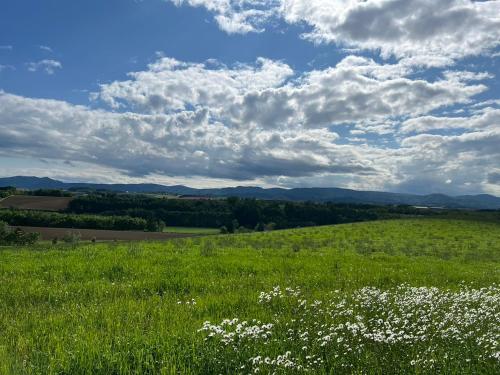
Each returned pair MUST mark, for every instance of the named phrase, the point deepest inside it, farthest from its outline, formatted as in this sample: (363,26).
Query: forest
(125,211)
(233,213)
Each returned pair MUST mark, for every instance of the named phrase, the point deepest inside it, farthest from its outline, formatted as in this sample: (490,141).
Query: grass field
(47,234)
(408,296)
(27,202)
(190,230)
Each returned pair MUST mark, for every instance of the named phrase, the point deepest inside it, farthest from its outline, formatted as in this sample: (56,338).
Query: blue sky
(101,41)
(380,94)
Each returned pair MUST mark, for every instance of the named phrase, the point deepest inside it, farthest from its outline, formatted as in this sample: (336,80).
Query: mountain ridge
(333,194)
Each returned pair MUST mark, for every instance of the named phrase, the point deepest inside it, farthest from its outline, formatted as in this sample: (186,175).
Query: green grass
(191,230)
(122,308)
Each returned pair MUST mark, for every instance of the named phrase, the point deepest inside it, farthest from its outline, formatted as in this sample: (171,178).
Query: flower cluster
(417,328)
(191,302)
(233,331)
(276,292)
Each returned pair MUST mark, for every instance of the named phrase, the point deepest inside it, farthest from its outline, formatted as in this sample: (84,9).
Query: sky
(393,95)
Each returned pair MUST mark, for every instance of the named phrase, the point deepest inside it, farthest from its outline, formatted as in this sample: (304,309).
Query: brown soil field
(26,202)
(101,235)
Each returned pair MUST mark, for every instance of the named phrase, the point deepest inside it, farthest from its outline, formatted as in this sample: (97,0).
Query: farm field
(191,230)
(27,202)
(48,234)
(385,297)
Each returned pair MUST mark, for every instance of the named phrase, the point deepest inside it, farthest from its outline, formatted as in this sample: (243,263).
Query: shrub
(72,238)
(16,236)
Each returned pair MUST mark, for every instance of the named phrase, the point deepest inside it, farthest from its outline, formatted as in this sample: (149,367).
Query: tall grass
(137,308)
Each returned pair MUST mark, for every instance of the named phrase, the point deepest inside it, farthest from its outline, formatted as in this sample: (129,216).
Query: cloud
(48,66)
(237,17)
(425,32)
(494,178)
(171,85)
(266,122)
(6,67)
(181,144)
(269,94)
(426,162)
(486,118)
(190,144)
(402,28)
(45,48)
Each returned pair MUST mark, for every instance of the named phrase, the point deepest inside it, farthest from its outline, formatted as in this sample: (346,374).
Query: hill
(337,195)
(393,297)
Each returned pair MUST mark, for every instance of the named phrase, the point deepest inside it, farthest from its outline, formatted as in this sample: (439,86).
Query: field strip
(48,234)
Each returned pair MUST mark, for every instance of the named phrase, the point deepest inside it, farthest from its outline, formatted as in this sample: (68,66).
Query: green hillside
(402,296)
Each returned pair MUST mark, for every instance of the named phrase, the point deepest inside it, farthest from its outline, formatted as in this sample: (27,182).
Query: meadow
(191,230)
(399,296)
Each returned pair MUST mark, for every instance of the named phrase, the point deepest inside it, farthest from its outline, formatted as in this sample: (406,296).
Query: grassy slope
(113,308)
(191,230)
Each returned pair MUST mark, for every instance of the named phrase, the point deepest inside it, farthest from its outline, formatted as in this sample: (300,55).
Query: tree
(260,227)
(16,236)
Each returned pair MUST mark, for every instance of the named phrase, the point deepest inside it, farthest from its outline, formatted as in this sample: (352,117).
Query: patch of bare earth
(27,202)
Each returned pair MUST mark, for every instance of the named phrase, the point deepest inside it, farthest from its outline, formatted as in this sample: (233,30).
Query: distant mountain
(481,201)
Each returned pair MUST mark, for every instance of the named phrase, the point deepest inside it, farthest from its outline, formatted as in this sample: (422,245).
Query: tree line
(233,213)
(6,191)
(48,193)
(68,220)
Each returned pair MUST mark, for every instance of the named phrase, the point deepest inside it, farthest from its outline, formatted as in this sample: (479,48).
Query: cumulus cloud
(181,144)
(48,66)
(270,95)
(427,161)
(266,122)
(170,85)
(486,118)
(237,17)
(425,32)
(402,28)
(190,143)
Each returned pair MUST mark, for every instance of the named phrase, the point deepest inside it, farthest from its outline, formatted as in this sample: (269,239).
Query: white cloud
(189,144)
(48,66)
(171,85)
(487,118)
(402,28)
(427,161)
(268,95)
(467,76)
(426,32)
(182,144)
(237,17)
(264,122)
(45,48)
